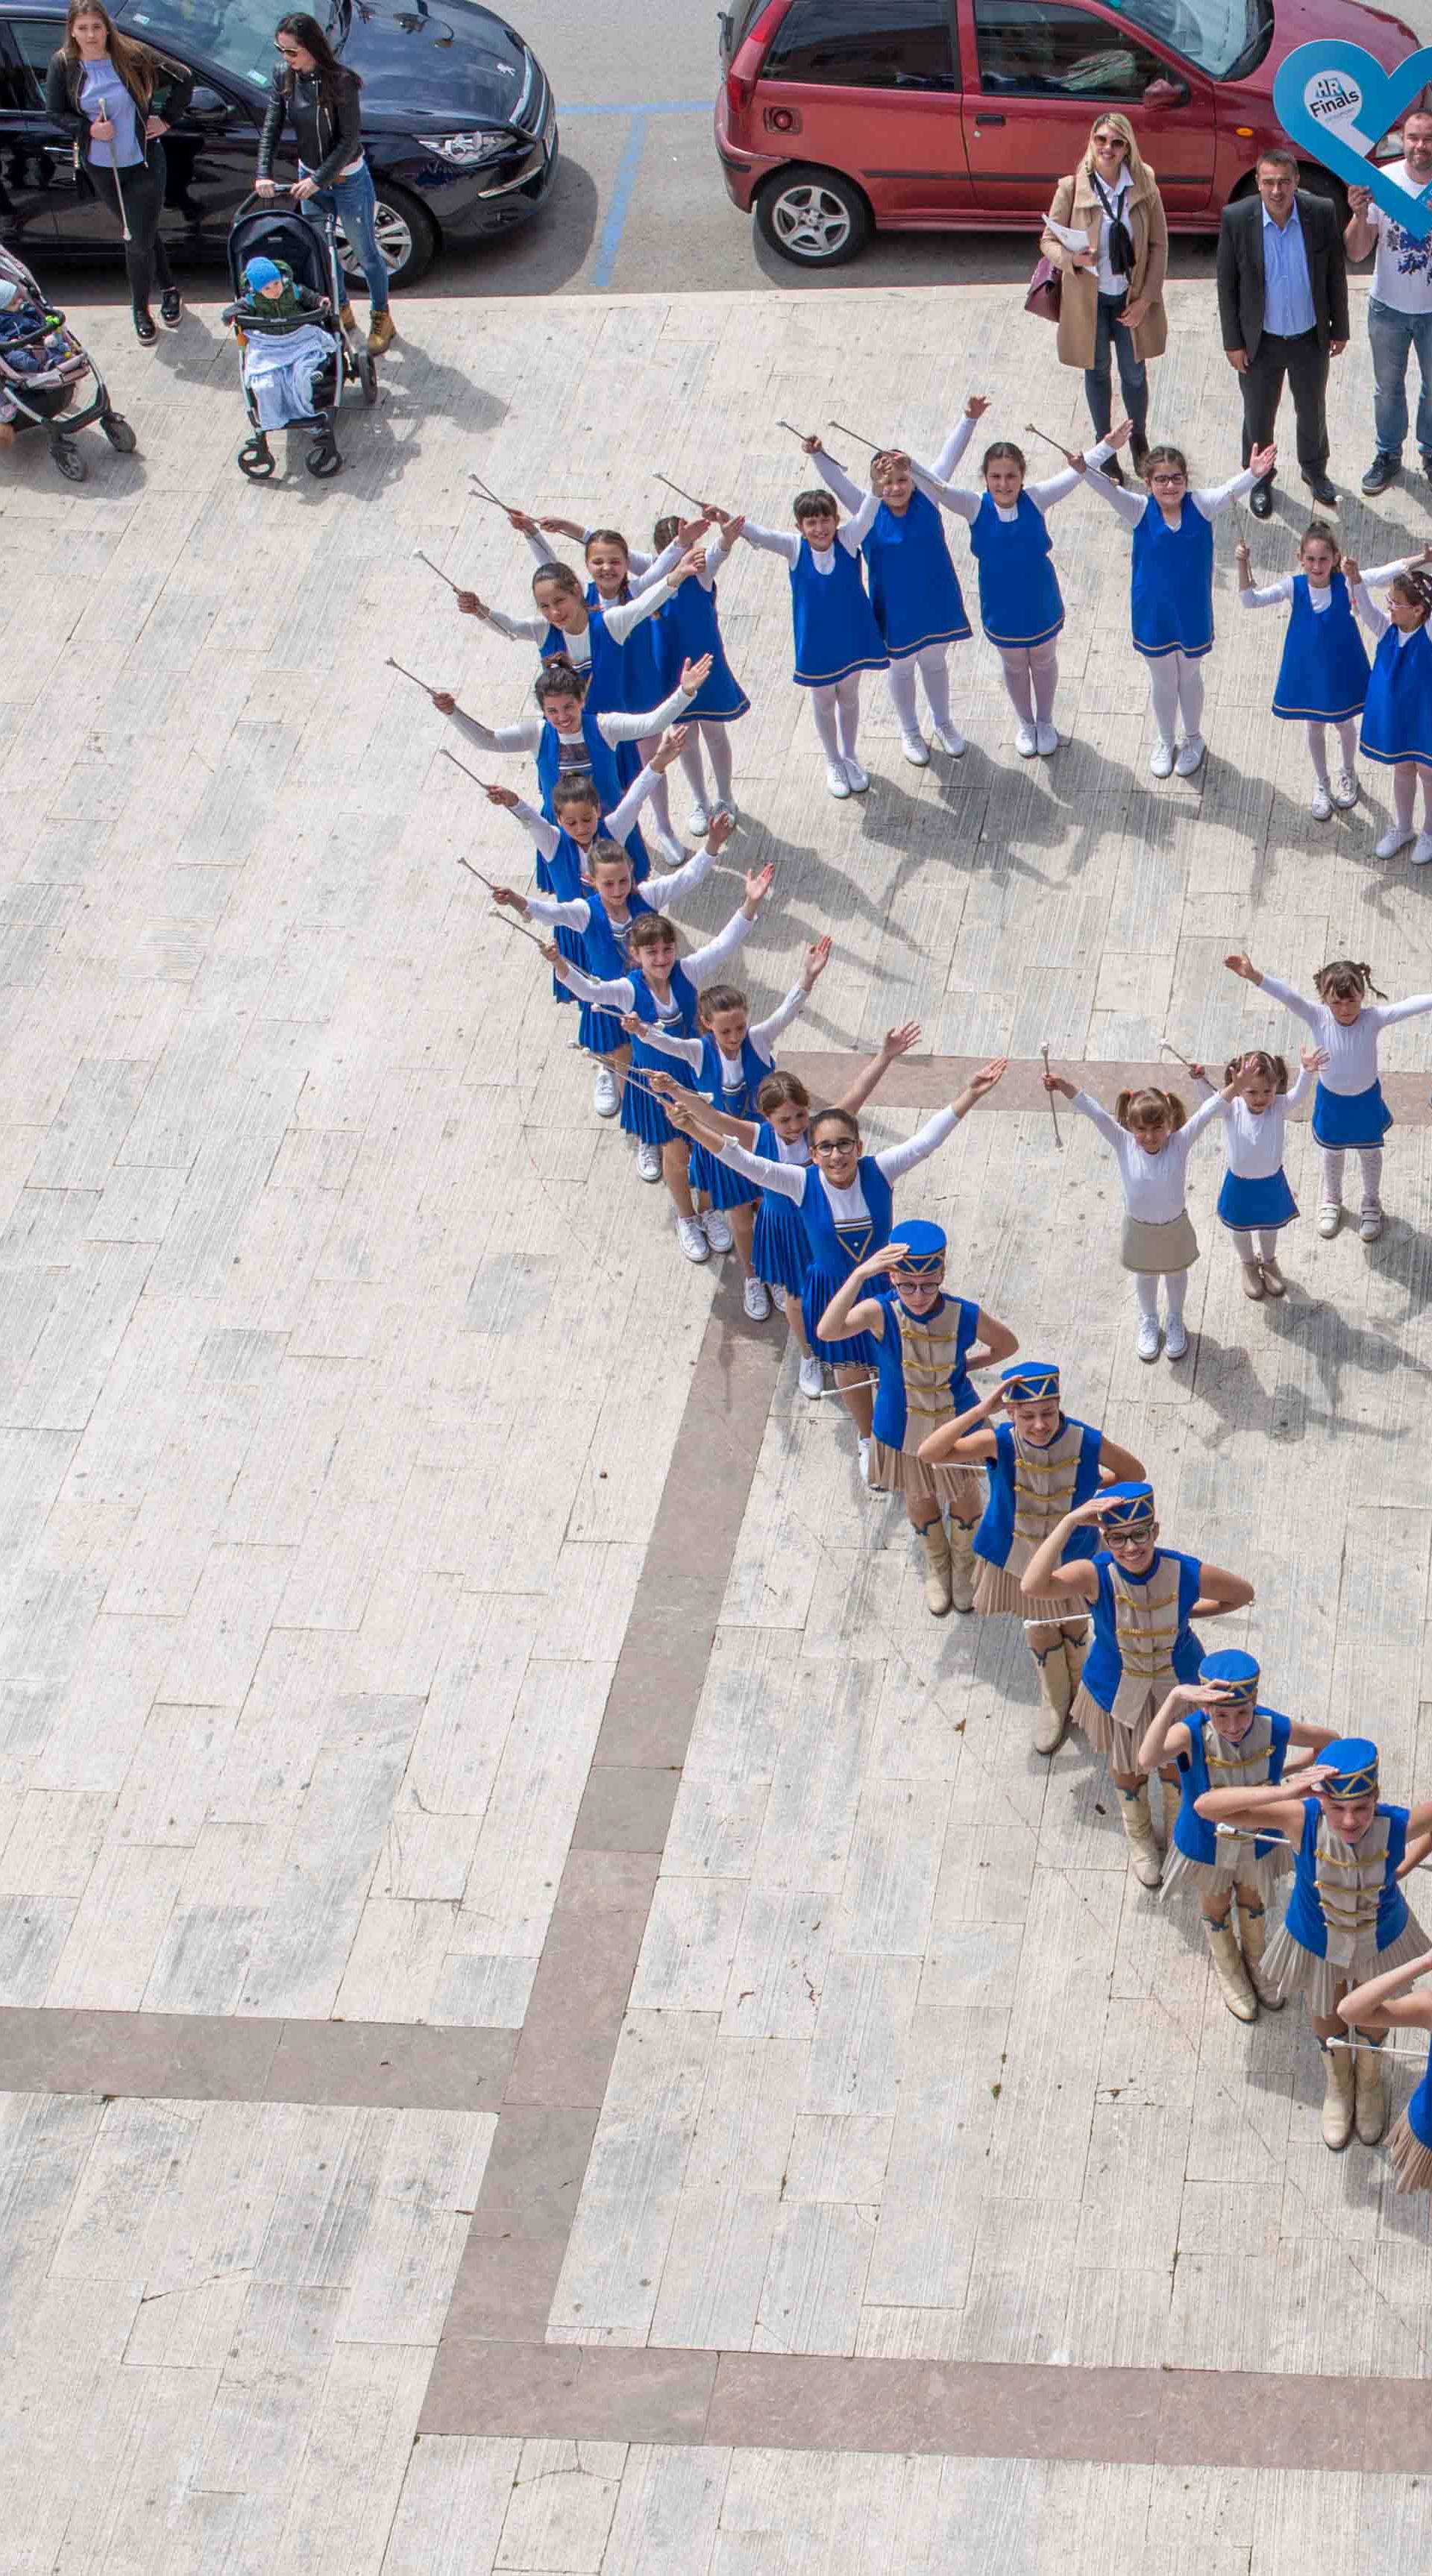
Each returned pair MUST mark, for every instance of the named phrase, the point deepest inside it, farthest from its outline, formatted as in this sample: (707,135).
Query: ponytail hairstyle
(1346,979)
(720,997)
(840,1117)
(562,578)
(649,927)
(1003,448)
(605,852)
(1150,1108)
(1323,533)
(1416,589)
(329,72)
(577,790)
(606,537)
(1173,456)
(816,503)
(559,678)
(782,1091)
(1272,1067)
(664,532)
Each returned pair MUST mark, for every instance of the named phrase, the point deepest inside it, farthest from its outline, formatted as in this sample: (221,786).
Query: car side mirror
(1165,92)
(207,108)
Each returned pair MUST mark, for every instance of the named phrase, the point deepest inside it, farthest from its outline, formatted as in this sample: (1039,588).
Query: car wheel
(813,217)
(407,238)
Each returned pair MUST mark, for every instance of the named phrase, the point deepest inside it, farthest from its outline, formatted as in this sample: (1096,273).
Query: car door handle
(987,120)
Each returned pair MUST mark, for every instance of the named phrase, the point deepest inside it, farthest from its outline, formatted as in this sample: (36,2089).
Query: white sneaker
(1422,850)
(1176,1338)
(1026,741)
(1345,790)
(858,778)
(1046,739)
(1321,803)
(950,741)
(1190,755)
(916,751)
(671,849)
(865,1460)
(756,1298)
(716,1230)
(1369,1224)
(1330,1218)
(1393,840)
(1161,760)
(731,812)
(698,823)
(648,1160)
(812,1375)
(691,1235)
(606,1099)
(835,778)
(1147,1344)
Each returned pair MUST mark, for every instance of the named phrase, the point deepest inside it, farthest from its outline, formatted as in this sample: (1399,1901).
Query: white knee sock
(934,663)
(1347,736)
(1016,681)
(822,707)
(901,677)
(1175,1291)
(1190,698)
(1318,752)
(1163,691)
(1146,1283)
(1332,1176)
(717,739)
(1404,795)
(1371,1161)
(1044,663)
(691,764)
(660,797)
(847,712)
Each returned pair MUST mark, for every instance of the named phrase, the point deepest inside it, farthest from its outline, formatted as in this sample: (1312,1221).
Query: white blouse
(788,1180)
(1352,1052)
(1155,1185)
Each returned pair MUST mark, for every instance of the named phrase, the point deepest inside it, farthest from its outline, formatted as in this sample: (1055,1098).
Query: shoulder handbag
(1045,289)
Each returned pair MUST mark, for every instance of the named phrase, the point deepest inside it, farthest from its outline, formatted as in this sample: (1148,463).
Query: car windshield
(1220,36)
(235,36)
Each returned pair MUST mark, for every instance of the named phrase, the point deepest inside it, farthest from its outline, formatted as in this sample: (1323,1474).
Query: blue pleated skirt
(1358,1118)
(600,1032)
(779,1252)
(641,1112)
(817,1289)
(1246,1206)
(723,1187)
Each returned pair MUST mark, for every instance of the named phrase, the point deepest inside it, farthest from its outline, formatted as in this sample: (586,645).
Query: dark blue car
(459,125)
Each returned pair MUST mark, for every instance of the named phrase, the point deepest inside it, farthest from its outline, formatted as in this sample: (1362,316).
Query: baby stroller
(40,372)
(264,227)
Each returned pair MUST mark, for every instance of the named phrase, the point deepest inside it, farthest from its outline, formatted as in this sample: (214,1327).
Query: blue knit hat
(261,272)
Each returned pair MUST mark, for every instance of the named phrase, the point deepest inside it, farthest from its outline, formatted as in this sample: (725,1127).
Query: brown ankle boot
(381,333)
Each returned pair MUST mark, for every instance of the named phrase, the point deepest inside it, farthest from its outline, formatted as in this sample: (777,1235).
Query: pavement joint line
(927,1081)
(217,2057)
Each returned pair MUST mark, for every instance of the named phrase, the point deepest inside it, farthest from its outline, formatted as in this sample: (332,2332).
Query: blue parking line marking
(622,189)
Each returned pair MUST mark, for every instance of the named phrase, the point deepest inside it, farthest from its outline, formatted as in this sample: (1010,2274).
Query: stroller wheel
(119,433)
(256,459)
(69,461)
(323,460)
(367,376)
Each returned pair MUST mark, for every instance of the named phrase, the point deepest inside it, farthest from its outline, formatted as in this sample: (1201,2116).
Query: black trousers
(144,253)
(1305,366)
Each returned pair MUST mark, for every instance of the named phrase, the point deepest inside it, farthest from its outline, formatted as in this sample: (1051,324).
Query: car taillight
(745,69)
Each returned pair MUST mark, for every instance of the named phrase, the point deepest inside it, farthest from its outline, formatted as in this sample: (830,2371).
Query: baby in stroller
(288,338)
(27,346)
(42,367)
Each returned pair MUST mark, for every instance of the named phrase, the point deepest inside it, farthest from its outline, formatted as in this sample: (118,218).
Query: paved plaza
(550,2018)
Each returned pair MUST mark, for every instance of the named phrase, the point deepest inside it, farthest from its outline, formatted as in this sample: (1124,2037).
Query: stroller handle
(53,321)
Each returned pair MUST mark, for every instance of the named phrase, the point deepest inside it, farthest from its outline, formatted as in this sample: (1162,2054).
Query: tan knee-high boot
(1370,2110)
(1253,1939)
(1075,1650)
(1138,1825)
(1056,1697)
(962,1564)
(1230,1971)
(1337,2096)
(937,1567)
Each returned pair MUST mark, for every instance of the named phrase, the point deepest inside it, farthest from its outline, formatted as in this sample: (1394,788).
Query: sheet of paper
(1072,238)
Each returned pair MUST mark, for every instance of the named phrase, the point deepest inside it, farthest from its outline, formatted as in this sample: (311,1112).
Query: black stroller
(41,372)
(264,227)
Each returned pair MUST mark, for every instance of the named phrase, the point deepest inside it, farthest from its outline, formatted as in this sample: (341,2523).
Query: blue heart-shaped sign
(1336,103)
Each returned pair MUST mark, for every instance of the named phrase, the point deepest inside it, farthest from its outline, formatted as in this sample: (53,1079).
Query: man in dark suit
(1282,306)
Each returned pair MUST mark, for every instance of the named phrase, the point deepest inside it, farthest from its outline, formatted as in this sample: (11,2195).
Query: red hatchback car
(838,116)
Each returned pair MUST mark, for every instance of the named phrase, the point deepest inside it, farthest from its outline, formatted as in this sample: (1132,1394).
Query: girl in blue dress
(1376,2007)
(1348,1107)
(690,626)
(779,1133)
(836,637)
(1397,718)
(1221,1737)
(1021,605)
(1172,587)
(1255,1196)
(1143,1598)
(1347,1918)
(926,1345)
(1323,675)
(914,588)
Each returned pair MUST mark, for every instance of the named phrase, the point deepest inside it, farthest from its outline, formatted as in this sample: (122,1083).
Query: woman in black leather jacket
(318,95)
(118,98)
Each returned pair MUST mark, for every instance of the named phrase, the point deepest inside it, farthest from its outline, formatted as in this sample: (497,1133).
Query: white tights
(1037,664)
(1267,1243)
(932,663)
(1175,1284)
(1318,747)
(836,709)
(713,733)
(1404,794)
(660,797)
(1176,688)
(1370,1157)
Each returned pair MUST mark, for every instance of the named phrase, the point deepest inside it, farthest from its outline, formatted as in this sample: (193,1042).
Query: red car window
(1042,49)
(865,44)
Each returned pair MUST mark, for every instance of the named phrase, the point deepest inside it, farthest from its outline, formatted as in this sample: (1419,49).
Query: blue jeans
(1393,337)
(354,203)
(1133,374)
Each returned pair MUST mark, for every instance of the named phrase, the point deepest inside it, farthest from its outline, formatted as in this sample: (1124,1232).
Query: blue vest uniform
(642,1113)
(1172,587)
(995,1535)
(779,1251)
(637,674)
(1322,678)
(834,1251)
(892,1406)
(689,626)
(604,956)
(1397,718)
(835,627)
(1020,599)
(1305,1919)
(1193,1835)
(604,769)
(1104,1664)
(914,589)
(1419,2108)
(604,682)
(725,1188)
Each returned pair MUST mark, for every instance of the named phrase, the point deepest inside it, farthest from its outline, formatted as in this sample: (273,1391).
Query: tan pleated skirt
(1173,1246)
(1296,1971)
(1411,2161)
(960,1491)
(997,1594)
(1116,1737)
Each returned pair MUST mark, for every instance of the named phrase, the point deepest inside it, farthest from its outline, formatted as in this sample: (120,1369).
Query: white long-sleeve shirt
(864,505)
(665,563)
(612,727)
(763,1038)
(966,504)
(1320,593)
(1254,1145)
(1210,500)
(790,1180)
(619,620)
(1376,619)
(615,826)
(619,994)
(1155,1185)
(658,892)
(1352,1052)
(787,542)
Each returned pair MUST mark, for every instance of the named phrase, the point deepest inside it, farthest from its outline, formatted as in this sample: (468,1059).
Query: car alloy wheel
(395,241)
(810,222)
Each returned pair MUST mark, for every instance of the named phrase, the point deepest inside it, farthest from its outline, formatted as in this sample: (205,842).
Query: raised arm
(785,1180)
(951,496)
(1130,506)
(625,615)
(1057,487)
(839,482)
(1098,1116)
(958,440)
(1375,619)
(616,995)
(519,737)
(969,1436)
(666,1041)
(897,1042)
(1297,1089)
(1310,1013)
(1267,1808)
(773,541)
(545,835)
(1386,1013)
(1046,1571)
(1167,1722)
(705,964)
(575,913)
(616,728)
(1203,1116)
(898,1159)
(766,1031)
(1215,498)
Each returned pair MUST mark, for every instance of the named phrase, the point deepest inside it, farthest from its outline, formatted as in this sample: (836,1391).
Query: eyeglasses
(289,52)
(1168,479)
(835,1145)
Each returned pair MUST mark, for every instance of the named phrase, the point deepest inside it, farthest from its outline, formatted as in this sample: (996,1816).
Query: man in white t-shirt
(1399,308)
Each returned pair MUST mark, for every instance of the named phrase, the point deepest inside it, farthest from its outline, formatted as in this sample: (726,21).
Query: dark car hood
(441,66)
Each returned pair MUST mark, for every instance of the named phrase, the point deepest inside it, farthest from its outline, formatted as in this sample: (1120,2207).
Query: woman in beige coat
(1111,299)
